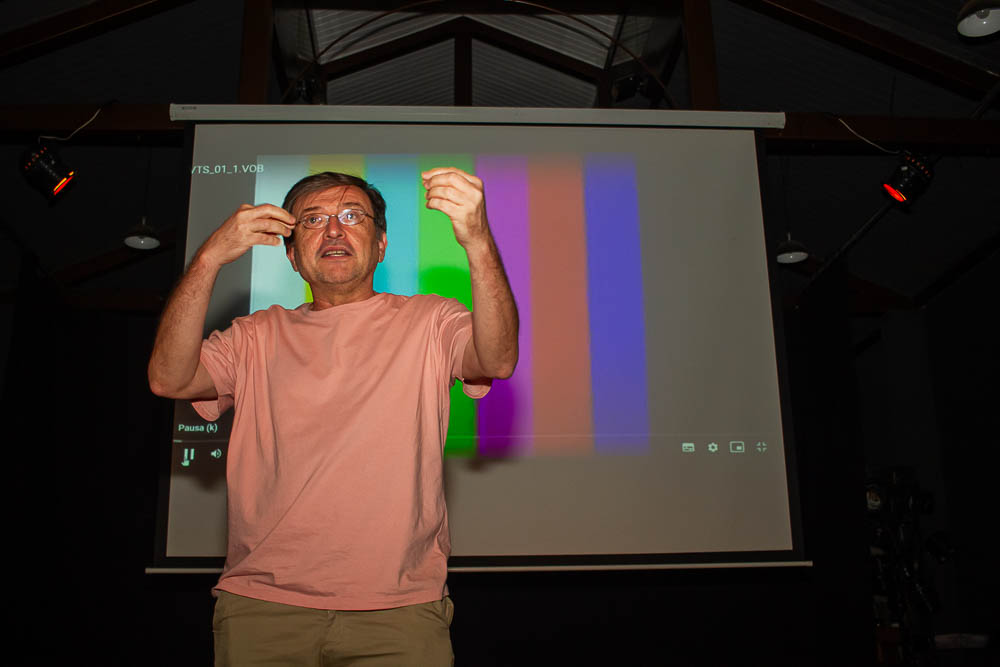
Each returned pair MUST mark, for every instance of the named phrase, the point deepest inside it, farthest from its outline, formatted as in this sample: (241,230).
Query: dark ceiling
(893,71)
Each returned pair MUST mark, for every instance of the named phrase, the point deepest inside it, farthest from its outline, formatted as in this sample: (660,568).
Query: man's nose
(333,227)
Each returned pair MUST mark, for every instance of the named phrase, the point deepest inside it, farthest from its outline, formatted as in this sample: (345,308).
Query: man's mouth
(335,252)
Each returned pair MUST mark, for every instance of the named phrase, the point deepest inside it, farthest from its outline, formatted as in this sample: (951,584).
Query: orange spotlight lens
(62,183)
(894,193)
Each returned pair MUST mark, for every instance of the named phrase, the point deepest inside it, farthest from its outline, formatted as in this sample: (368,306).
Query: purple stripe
(505,415)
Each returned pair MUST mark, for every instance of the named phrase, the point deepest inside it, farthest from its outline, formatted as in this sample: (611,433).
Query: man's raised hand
(248,226)
(459,196)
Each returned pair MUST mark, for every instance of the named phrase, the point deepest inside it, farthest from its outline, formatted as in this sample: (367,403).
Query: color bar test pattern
(568,231)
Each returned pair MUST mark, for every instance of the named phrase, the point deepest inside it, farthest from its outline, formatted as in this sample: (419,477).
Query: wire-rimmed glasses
(348,217)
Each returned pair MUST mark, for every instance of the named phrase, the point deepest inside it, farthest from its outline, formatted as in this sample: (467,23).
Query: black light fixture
(978,18)
(142,236)
(788,251)
(910,179)
(46,172)
(791,251)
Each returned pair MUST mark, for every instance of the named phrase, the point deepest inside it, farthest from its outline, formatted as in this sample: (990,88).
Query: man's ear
(382,242)
(290,253)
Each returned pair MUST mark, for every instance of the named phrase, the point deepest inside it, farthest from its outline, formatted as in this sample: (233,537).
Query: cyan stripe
(272,280)
(397,177)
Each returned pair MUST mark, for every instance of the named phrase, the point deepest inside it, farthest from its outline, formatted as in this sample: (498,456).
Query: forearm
(494,313)
(173,365)
(175,369)
(492,351)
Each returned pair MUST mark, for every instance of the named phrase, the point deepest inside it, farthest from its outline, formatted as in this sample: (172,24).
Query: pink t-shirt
(335,459)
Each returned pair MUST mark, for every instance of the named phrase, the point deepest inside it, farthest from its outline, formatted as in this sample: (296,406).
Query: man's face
(336,256)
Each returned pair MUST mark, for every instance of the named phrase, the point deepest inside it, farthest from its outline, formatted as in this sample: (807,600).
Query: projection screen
(646,424)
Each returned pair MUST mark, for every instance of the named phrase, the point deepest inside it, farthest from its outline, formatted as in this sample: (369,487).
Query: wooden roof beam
(255,55)
(700,41)
(63,29)
(806,129)
(21,121)
(865,297)
(882,44)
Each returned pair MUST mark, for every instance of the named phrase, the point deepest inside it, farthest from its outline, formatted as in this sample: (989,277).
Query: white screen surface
(646,243)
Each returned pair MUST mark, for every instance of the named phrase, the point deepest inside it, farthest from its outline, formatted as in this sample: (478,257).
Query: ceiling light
(791,252)
(46,172)
(142,237)
(978,18)
(910,179)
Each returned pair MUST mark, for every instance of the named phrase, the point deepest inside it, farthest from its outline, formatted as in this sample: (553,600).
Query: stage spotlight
(46,172)
(910,179)
(978,18)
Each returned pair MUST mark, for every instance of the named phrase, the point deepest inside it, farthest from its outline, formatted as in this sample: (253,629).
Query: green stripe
(444,270)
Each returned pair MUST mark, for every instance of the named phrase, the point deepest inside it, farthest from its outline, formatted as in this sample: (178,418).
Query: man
(338,535)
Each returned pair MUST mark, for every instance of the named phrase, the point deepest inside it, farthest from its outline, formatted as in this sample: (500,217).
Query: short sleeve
(454,334)
(218,356)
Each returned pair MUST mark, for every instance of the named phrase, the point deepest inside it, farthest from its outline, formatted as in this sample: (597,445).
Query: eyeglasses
(348,217)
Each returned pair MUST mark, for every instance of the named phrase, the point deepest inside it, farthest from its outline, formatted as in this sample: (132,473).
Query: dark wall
(82,438)
(965,367)
(929,398)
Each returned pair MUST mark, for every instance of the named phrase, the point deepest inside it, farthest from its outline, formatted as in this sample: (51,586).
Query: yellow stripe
(343,163)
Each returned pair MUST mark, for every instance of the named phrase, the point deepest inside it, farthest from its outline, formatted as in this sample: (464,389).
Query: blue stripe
(614,296)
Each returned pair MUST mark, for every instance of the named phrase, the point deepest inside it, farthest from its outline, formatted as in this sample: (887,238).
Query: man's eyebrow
(346,204)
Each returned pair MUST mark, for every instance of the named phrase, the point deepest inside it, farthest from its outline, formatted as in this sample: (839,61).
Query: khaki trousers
(255,632)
